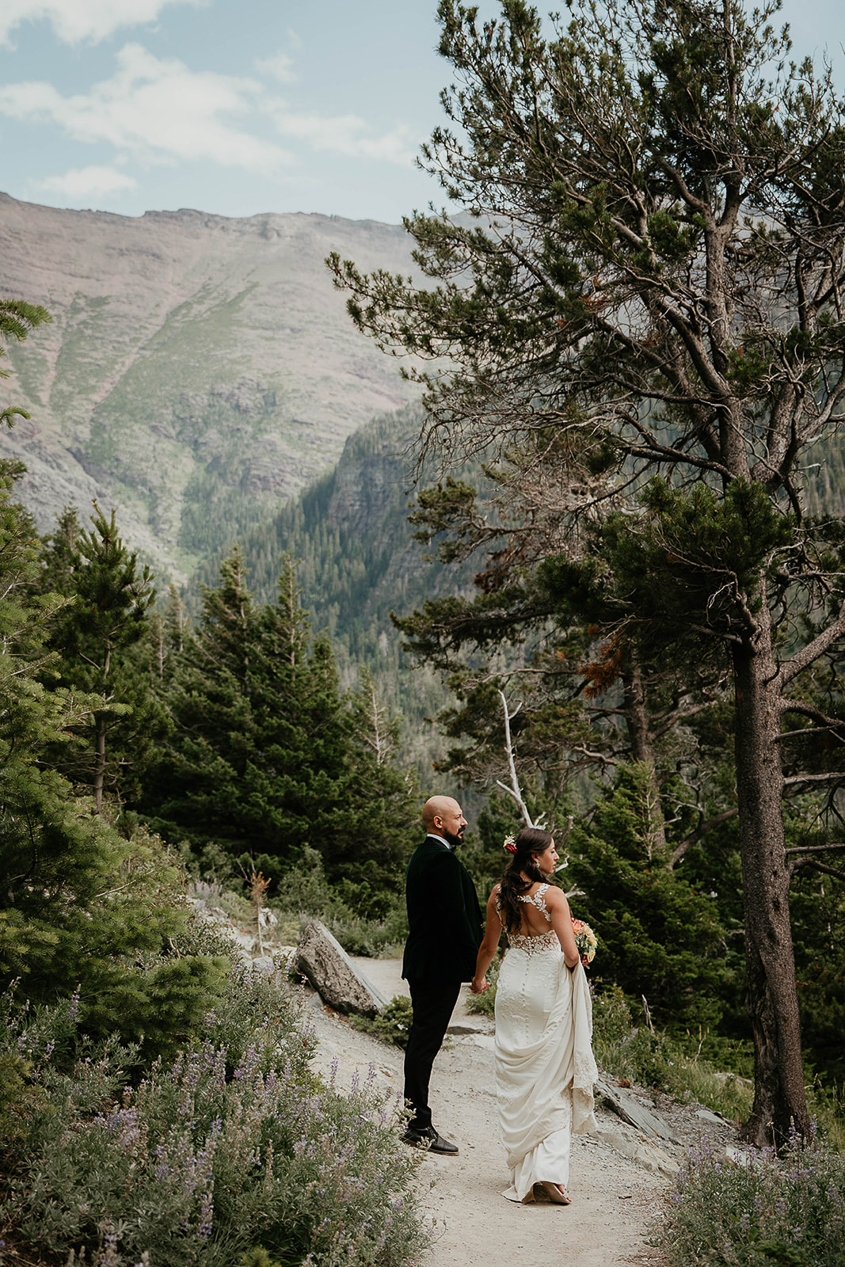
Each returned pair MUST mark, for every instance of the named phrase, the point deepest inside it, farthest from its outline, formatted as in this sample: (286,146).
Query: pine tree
(195,791)
(79,905)
(659,937)
(105,648)
(17,319)
(266,758)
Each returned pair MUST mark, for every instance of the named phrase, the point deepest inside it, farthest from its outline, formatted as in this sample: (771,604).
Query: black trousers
(433,1007)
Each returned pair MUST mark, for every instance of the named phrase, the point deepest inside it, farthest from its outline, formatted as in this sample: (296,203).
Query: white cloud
(347,134)
(161,111)
(279,67)
(77,20)
(89,182)
(158,109)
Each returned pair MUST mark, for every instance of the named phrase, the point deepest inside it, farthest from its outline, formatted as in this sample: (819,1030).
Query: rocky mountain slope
(198,371)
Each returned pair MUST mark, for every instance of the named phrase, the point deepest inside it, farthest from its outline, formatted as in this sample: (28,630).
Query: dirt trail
(614,1199)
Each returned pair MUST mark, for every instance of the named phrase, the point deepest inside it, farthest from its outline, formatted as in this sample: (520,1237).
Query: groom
(444,920)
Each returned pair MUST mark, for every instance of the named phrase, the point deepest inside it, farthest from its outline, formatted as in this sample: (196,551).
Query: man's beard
(453,840)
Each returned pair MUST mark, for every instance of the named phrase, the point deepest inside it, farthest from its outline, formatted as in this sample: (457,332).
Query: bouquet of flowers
(585,939)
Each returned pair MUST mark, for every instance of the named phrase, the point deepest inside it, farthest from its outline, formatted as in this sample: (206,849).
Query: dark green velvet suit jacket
(444,917)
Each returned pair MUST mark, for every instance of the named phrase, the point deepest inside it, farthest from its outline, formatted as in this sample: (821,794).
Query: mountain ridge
(200,370)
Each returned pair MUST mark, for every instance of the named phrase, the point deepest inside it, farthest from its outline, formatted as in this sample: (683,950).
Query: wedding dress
(545,1069)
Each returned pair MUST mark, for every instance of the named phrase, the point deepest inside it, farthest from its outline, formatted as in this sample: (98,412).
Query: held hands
(478,985)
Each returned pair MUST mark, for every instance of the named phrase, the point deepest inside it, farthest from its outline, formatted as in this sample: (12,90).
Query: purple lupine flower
(206,1215)
(73,1004)
(110,1258)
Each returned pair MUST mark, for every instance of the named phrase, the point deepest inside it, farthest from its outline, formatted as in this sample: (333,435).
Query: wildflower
(206,1215)
(109,1256)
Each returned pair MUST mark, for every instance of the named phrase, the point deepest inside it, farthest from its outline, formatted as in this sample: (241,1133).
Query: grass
(654,1059)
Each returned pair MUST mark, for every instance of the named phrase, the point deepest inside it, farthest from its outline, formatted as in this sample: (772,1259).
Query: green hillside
(359,562)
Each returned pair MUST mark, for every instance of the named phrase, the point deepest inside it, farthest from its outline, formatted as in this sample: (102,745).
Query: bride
(545,1069)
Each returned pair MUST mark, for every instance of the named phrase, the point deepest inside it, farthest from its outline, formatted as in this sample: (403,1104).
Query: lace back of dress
(534,943)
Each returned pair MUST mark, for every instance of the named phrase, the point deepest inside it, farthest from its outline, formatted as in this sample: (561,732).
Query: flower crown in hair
(510,844)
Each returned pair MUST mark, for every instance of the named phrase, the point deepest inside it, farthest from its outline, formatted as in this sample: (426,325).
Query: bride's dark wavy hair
(530,840)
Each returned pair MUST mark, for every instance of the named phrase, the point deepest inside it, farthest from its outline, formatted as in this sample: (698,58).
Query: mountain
(199,370)
(357,562)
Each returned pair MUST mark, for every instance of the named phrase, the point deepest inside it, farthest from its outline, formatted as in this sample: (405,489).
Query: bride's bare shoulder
(555,897)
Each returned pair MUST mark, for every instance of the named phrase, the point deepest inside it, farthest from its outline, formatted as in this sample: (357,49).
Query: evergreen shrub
(393,1024)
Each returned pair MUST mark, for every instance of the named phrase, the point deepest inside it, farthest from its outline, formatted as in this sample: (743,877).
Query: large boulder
(322,959)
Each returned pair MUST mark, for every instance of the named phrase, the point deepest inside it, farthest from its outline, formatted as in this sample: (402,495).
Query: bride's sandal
(555,1195)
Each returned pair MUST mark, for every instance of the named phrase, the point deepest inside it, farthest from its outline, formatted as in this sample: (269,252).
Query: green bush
(233,1149)
(375,938)
(655,1059)
(304,891)
(393,1024)
(612,1020)
(770,1211)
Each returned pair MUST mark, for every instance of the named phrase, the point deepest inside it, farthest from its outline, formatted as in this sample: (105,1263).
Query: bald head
(442,815)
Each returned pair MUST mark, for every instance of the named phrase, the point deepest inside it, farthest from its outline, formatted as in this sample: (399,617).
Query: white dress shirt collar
(432,835)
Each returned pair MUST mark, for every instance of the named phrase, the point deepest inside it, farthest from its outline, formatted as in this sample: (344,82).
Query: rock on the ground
(632,1111)
(630,1143)
(322,959)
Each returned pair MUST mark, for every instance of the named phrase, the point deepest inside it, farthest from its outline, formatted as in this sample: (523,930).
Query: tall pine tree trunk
(772,999)
(100,736)
(99,762)
(642,750)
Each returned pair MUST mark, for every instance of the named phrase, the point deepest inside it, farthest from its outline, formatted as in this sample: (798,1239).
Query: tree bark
(772,999)
(639,734)
(100,764)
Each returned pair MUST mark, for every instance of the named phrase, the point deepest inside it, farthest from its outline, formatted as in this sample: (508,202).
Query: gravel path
(615,1200)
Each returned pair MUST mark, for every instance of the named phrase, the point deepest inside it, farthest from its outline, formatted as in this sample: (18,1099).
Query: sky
(239,107)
